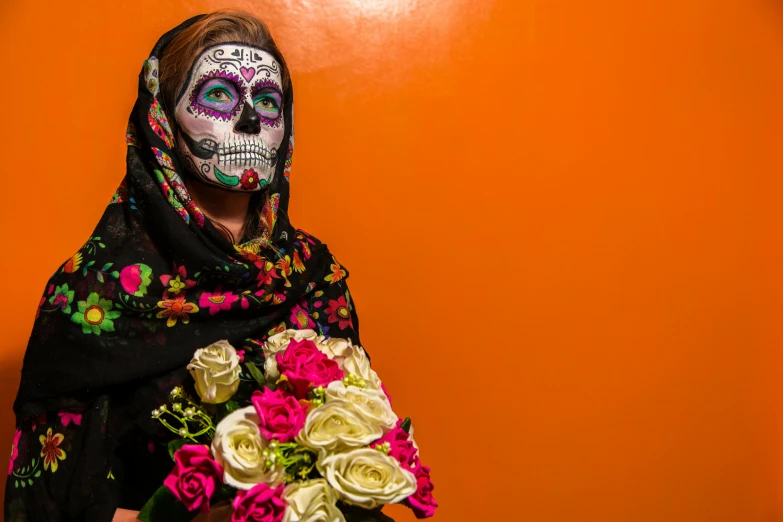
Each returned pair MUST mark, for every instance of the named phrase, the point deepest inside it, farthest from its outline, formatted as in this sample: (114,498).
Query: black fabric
(120,320)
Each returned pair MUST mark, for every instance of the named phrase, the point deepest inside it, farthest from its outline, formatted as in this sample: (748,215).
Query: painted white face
(230,117)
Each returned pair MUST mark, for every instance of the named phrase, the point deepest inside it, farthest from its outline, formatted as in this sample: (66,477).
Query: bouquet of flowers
(299,430)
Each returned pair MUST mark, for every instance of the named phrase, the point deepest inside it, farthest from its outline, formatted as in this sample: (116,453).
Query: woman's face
(230,117)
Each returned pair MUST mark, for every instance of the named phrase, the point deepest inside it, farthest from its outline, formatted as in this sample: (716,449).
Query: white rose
(239,447)
(335,348)
(358,364)
(278,343)
(216,372)
(311,501)
(337,426)
(372,403)
(367,478)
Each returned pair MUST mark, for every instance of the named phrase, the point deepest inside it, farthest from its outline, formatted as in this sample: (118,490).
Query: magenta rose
(303,365)
(259,504)
(400,447)
(422,503)
(195,477)
(281,417)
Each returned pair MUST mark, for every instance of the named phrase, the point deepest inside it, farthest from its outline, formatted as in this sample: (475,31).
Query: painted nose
(249,122)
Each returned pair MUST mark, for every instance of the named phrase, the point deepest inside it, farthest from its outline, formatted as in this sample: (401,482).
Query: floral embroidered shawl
(120,320)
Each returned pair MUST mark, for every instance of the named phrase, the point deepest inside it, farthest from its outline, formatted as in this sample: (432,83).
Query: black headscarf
(120,320)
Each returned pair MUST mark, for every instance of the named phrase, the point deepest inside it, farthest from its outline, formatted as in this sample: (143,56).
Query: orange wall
(571,209)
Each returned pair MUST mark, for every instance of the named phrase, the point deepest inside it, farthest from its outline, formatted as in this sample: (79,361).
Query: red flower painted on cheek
(249,179)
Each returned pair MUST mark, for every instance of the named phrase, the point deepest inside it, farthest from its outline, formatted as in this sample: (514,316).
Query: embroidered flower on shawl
(73,264)
(338,272)
(50,449)
(217,300)
(176,283)
(67,417)
(62,298)
(339,312)
(14,450)
(176,309)
(301,318)
(95,315)
(297,263)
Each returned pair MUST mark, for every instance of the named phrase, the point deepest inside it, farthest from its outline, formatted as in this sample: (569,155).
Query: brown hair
(219,27)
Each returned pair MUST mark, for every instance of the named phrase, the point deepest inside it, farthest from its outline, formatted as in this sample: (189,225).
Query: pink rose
(400,447)
(281,417)
(260,504)
(303,364)
(195,477)
(422,503)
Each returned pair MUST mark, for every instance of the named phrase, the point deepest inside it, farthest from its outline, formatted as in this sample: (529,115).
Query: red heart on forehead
(247,72)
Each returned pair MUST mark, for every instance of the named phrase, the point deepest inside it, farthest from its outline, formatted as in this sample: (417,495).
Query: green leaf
(231,405)
(30,481)
(174,445)
(106,266)
(16,483)
(226,268)
(197,274)
(37,474)
(164,506)
(91,263)
(23,483)
(101,245)
(115,274)
(100,277)
(406,425)
(255,373)
(97,238)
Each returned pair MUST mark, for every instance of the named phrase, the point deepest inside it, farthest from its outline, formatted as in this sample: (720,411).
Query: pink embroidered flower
(260,504)
(400,447)
(14,450)
(422,502)
(217,300)
(135,279)
(281,417)
(339,313)
(301,319)
(304,365)
(68,417)
(195,477)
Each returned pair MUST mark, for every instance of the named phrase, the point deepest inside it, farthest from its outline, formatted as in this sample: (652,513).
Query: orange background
(568,210)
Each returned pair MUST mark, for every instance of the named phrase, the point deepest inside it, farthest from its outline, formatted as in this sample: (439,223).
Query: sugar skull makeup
(230,117)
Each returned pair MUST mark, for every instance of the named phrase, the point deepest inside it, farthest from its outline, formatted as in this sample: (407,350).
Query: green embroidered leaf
(30,481)
(115,274)
(97,238)
(34,461)
(255,373)
(164,506)
(197,274)
(37,474)
(23,483)
(174,445)
(16,483)
(226,268)
(91,263)
(100,277)
(101,245)
(231,406)
(106,266)
(406,425)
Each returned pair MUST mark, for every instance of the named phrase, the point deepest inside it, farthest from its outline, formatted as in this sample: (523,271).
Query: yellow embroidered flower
(50,450)
(338,272)
(73,264)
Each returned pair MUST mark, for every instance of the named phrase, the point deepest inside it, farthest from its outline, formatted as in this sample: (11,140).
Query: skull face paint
(230,117)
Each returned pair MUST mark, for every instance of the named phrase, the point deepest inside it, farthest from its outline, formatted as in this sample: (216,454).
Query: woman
(194,247)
